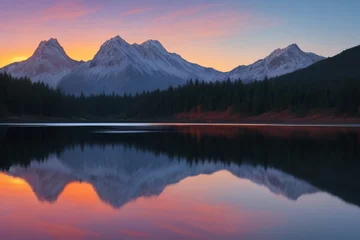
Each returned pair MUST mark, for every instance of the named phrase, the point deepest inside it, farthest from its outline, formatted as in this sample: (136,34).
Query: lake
(179,181)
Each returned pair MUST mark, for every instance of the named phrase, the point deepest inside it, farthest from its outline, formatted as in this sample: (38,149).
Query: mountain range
(121,67)
(126,175)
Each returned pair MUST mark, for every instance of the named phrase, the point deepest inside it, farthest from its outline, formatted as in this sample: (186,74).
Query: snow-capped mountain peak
(112,53)
(293,46)
(115,42)
(51,41)
(51,50)
(279,62)
(154,44)
(48,64)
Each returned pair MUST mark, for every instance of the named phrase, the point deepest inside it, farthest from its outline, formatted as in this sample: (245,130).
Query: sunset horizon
(219,35)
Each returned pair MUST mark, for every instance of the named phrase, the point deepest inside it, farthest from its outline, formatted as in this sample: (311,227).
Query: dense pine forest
(21,97)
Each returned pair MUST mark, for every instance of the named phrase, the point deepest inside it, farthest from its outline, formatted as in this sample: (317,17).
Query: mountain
(279,62)
(124,68)
(341,67)
(48,64)
(121,67)
(125,175)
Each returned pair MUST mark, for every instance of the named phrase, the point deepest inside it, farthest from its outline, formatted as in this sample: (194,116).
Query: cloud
(35,19)
(174,15)
(67,10)
(197,32)
(135,11)
(205,22)
(134,234)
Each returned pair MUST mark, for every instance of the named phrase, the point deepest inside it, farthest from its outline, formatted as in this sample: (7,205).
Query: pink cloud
(67,10)
(182,12)
(134,234)
(135,11)
(186,233)
(189,31)
(64,10)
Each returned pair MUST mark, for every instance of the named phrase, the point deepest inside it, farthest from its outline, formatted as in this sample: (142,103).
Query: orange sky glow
(193,31)
(219,34)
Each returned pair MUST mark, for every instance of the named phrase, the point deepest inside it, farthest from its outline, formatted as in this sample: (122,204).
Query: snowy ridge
(48,64)
(150,58)
(124,175)
(279,62)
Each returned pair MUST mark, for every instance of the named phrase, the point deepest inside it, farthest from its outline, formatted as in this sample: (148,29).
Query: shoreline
(178,124)
(298,123)
(194,118)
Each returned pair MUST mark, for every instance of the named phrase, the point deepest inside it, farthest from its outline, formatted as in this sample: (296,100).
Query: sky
(215,33)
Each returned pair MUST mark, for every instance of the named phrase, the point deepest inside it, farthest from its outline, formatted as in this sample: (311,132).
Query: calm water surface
(179,182)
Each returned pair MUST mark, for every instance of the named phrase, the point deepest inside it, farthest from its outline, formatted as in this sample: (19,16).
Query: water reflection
(192,183)
(119,175)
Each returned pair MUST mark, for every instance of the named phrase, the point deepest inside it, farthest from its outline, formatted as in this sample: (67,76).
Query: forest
(21,97)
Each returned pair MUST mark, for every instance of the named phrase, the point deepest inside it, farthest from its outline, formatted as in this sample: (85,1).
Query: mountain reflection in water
(235,175)
(124,175)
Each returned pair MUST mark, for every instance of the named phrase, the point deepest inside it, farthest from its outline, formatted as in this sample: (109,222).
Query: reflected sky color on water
(219,206)
(187,185)
(164,125)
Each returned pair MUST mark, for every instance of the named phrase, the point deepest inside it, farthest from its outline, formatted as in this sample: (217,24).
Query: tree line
(21,97)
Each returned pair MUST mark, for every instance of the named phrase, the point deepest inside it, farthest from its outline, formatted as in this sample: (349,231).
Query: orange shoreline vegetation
(268,117)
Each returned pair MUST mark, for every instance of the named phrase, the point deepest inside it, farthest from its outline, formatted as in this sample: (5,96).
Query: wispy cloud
(134,234)
(135,11)
(82,25)
(182,13)
(67,10)
(205,21)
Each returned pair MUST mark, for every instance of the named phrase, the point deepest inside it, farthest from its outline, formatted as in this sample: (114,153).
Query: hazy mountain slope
(48,64)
